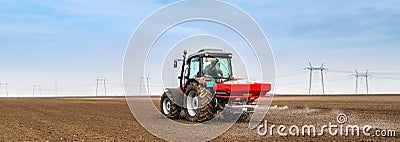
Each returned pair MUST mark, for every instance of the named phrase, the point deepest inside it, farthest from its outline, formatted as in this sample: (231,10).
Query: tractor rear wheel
(198,102)
(168,107)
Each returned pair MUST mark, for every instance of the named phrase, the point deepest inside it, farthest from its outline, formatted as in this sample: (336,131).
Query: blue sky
(72,42)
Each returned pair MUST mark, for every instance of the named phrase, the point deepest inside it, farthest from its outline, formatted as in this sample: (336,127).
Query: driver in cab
(213,69)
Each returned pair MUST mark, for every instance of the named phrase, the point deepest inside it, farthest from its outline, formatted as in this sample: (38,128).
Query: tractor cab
(211,64)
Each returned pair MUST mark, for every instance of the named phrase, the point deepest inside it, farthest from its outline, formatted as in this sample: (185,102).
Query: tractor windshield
(217,67)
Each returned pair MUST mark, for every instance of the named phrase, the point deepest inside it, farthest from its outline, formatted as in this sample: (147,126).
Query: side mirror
(175,64)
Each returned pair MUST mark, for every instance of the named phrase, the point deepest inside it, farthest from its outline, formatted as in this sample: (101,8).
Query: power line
(299,83)
(287,74)
(392,73)
(387,73)
(341,71)
(387,77)
(76,86)
(321,69)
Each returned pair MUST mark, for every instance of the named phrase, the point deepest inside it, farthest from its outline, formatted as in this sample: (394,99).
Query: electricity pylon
(97,80)
(361,75)
(38,87)
(6,87)
(321,69)
(147,83)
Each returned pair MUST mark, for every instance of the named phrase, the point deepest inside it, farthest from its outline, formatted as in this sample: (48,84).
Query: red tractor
(207,86)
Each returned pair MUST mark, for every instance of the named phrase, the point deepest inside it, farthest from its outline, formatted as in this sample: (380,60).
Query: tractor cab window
(194,67)
(216,67)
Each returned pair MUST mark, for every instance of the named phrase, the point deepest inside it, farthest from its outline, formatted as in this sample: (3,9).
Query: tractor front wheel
(168,107)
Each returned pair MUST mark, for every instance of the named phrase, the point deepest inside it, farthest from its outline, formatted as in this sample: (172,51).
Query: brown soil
(109,119)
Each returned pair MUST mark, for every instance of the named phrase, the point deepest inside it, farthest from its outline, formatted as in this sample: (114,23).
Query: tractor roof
(211,52)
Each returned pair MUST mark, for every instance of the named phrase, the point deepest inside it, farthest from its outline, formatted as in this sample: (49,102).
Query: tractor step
(241,108)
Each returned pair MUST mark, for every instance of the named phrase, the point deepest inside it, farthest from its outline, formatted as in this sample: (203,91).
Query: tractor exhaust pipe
(183,71)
